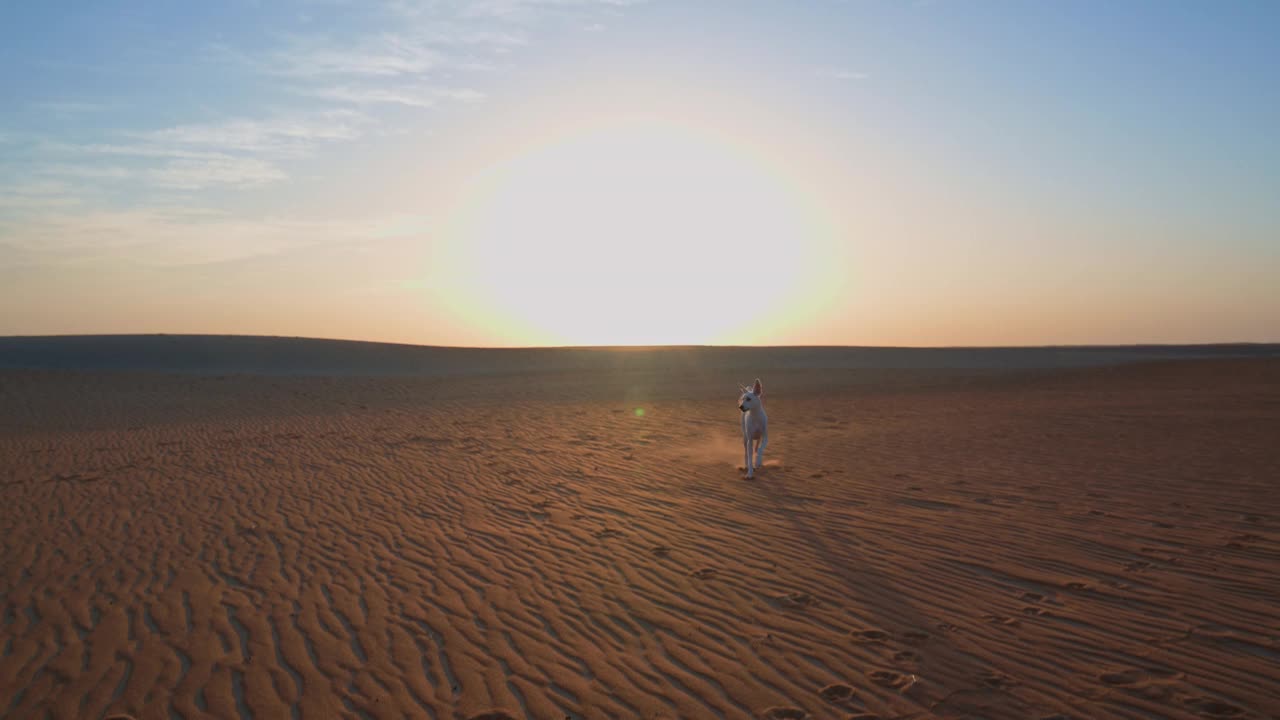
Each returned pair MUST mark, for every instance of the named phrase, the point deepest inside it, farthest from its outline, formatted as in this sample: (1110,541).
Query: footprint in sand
(1032,596)
(795,600)
(784,713)
(661,551)
(1213,708)
(1076,585)
(888,678)
(837,693)
(704,573)
(919,636)
(997,681)
(1151,682)
(1123,678)
(906,656)
(606,534)
(1032,610)
(874,636)
(1002,620)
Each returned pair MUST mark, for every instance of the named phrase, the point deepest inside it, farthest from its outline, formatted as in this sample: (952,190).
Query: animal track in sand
(1002,620)
(869,635)
(1213,708)
(784,713)
(704,573)
(661,551)
(889,678)
(906,656)
(997,681)
(795,600)
(1033,610)
(837,693)
(1139,678)
(919,636)
(606,534)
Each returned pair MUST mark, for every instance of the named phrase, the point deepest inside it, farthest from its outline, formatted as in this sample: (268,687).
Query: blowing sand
(1085,543)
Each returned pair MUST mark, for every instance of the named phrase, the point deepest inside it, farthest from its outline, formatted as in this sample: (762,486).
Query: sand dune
(1086,543)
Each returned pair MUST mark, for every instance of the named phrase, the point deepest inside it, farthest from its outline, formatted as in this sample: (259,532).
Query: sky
(590,172)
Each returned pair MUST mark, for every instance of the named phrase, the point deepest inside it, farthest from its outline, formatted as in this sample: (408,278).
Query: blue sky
(988,173)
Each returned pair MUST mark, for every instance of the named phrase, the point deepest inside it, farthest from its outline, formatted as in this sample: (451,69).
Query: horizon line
(1050,346)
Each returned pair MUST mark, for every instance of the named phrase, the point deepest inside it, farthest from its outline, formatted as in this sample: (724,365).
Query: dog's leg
(764,440)
(746,446)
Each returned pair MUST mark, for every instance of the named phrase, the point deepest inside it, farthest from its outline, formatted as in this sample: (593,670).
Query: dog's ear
(758,389)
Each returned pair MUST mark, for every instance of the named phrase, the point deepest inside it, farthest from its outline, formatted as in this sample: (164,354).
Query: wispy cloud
(37,194)
(69,107)
(524,10)
(380,55)
(197,174)
(422,97)
(235,153)
(841,74)
(94,187)
(166,237)
(278,135)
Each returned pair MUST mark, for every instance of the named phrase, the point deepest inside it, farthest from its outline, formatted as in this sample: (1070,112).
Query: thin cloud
(382,55)
(841,74)
(526,10)
(69,107)
(197,174)
(280,135)
(182,236)
(37,194)
(422,97)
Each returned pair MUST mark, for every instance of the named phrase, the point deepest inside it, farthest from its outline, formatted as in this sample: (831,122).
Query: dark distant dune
(224,354)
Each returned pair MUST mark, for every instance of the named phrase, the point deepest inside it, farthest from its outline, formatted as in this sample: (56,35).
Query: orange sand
(1096,543)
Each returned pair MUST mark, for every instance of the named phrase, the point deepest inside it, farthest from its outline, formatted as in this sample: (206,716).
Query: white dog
(755,424)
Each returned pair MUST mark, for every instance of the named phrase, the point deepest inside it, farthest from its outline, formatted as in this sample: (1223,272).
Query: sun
(631,233)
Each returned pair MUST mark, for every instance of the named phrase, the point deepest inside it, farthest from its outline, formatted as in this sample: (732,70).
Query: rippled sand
(1088,543)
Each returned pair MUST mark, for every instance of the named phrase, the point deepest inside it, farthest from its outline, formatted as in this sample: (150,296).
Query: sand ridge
(1085,543)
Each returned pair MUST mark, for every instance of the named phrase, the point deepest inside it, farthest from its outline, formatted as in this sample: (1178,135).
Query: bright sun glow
(632,233)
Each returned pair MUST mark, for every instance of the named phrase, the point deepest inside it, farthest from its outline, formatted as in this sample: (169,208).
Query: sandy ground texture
(1084,543)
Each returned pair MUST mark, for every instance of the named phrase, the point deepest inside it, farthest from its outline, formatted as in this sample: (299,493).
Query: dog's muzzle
(742,408)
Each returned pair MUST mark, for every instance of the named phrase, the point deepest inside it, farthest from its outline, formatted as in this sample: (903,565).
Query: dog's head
(752,397)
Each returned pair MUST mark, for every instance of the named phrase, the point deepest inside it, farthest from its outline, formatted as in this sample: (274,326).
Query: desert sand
(579,542)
